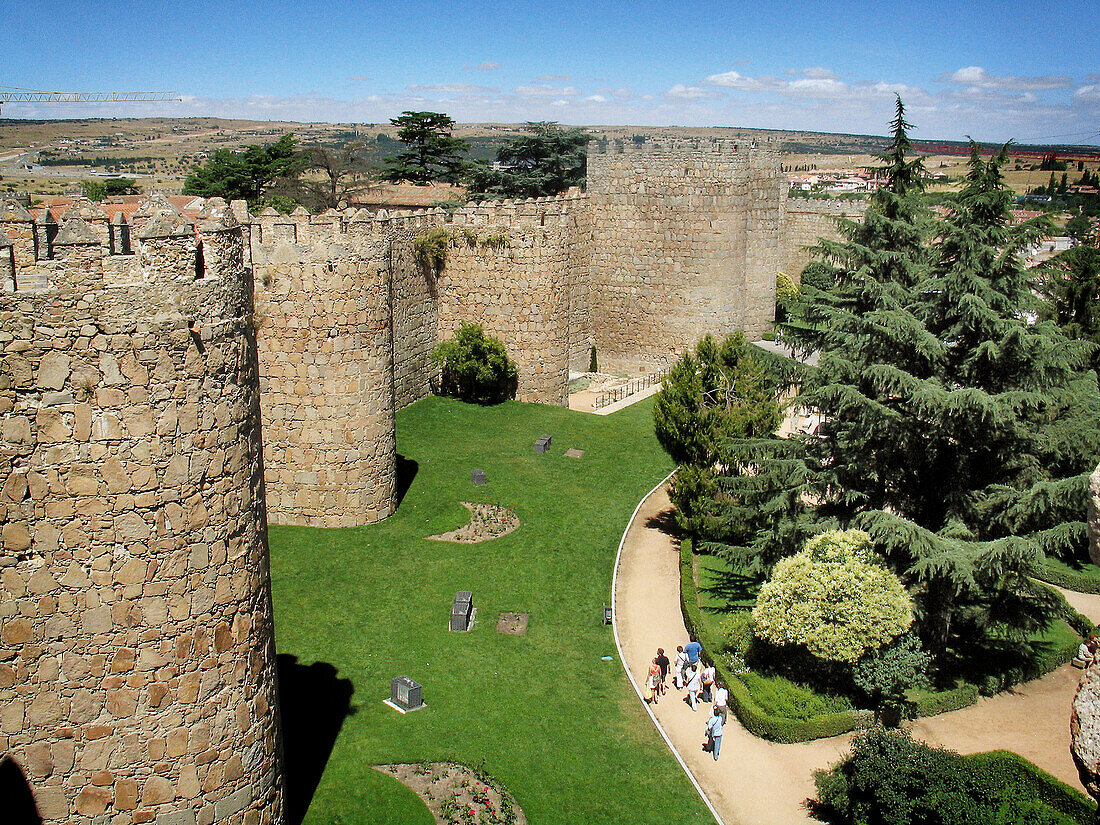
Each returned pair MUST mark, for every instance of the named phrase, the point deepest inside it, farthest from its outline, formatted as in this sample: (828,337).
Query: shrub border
(1050,790)
(1077,582)
(778,729)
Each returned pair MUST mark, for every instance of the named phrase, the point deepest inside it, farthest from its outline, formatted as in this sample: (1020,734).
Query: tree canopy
(546,161)
(956,429)
(711,395)
(432,152)
(246,174)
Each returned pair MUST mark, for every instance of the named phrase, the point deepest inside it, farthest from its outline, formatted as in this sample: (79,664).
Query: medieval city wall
(509,268)
(805,221)
(323,311)
(137,662)
(685,240)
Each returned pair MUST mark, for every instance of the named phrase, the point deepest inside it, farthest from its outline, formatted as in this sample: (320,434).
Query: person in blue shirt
(714,731)
(693,649)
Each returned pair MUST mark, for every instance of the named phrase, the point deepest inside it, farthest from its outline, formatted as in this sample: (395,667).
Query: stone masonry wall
(415,321)
(137,663)
(327,367)
(684,241)
(805,220)
(509,269)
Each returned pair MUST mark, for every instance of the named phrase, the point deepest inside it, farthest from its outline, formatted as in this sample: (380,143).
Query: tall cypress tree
(954,428)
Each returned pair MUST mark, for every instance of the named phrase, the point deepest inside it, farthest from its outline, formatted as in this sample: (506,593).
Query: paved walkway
(755,782)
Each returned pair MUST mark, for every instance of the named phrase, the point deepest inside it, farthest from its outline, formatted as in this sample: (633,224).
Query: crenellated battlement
(173,261)
(683,147)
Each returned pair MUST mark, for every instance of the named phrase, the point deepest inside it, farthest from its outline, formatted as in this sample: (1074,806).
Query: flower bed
(458,794)
(487,521)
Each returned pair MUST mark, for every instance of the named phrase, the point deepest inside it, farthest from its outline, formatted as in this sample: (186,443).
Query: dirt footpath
(754,782)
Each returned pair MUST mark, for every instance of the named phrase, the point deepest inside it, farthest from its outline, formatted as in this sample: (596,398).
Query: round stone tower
(137,660)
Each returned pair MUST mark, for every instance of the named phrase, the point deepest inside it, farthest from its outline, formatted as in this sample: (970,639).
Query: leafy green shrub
(475,367)
(738,630)
(777,696)
(890,779)
(593,365)
(834,599)
(884,675)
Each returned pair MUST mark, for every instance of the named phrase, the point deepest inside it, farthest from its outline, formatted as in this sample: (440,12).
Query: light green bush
(834,598)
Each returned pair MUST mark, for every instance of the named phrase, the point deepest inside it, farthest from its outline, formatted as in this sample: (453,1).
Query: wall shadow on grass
(313,704)
(406,472)
(17,805)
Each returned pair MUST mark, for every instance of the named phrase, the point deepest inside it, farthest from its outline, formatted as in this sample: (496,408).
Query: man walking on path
(693,650)
(714,731)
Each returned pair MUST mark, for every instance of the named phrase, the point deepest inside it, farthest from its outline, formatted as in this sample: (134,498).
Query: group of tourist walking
(693,674)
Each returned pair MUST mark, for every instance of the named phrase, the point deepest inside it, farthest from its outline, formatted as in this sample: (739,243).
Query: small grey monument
(462,611)
(405,695)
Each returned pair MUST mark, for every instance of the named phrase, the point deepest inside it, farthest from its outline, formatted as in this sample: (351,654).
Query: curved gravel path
(756,782)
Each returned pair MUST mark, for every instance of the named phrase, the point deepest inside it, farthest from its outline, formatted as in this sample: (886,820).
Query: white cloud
(690,92)
(553,78)
(545,90)
(817,87)
(978,77)
(486,66)
(819,73)
(1088,95)
(595,99)
(732,80)
(453,89)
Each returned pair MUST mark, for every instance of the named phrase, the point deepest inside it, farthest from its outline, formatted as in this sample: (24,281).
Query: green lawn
(544,713)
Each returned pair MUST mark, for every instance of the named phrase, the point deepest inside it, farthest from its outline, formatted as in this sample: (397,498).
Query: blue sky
(994,70)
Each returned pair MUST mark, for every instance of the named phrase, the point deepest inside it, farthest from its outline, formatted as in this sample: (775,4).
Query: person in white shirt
(708,682)
(721,700)
(694,685)
(678,664)
(714,731)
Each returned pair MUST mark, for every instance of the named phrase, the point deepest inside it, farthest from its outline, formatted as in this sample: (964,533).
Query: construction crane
(14,94)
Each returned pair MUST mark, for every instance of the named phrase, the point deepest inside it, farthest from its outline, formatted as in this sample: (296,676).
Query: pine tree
(954,430)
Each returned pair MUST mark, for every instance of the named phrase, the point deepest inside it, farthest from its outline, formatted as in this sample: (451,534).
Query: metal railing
(608,397)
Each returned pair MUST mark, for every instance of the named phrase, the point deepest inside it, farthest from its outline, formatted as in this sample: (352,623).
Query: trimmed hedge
(1078,621)
(751,715)
(1050,791)
(944,701)
(1079,582)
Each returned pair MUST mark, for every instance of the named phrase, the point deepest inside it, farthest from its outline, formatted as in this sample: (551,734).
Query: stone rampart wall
(685,240)
(137,662)
(324,310)
(510,268)
(805,220)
